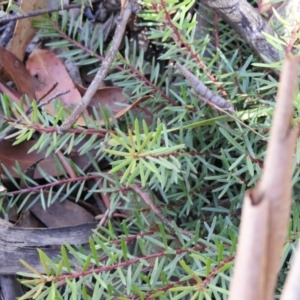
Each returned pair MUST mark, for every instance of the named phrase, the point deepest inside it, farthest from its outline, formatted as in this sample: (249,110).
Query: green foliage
(186,156)
(117,271)
(142,154)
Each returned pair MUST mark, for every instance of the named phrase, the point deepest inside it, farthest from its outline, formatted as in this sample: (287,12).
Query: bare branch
(146,198)
(204,91)
(266,208)
(101,74)
(291,289)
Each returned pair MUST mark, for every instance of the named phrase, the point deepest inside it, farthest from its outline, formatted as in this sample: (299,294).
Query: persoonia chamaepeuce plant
(177,166)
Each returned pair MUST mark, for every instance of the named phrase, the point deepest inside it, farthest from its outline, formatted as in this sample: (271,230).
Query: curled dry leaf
(48,69)
(28,220)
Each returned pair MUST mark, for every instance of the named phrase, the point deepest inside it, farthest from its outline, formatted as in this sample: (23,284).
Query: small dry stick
(204,91)
(10,128)
(54,86)
(148,201)
(101,74)
(40,105)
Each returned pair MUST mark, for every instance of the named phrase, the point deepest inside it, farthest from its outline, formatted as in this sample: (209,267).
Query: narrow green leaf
(65,259)
(94,251)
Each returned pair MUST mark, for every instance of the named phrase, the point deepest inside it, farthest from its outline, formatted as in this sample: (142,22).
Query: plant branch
(10,128)
(122,264)
(50,129)
(55,183)
(180,40)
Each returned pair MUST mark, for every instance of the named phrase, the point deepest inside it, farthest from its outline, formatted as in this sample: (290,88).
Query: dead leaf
(13,94)
(111,97)
(29,220)
(129,107)
(61,214)
(9,154)
(24,31)
(24,82)
(48,69)
(106,97)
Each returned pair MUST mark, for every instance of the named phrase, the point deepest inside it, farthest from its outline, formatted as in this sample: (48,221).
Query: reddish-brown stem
(123,264)
(188,47)
(292,39)
(40,128)
(167,287)
(52,184)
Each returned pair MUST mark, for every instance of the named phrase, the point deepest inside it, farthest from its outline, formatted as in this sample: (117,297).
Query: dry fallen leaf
(111,97)
(106,97)
(28,220)
(48,69)
(17,71)
(13,94)
(24,31)
(10,154)
(62,214)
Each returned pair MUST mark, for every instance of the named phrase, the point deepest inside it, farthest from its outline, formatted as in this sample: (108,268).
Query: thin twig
(38,12)
(239,121)
(54,86)
(204,91)
(40,105)
(131,70)
(181,41)
(101,74)
(145,197)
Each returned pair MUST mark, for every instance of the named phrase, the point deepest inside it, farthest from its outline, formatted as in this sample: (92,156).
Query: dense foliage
(193,162)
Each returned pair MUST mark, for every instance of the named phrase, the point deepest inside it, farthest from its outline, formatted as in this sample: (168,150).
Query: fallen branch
(101,74)
(204,91)
(145,197)
(245,20)
(20,243)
